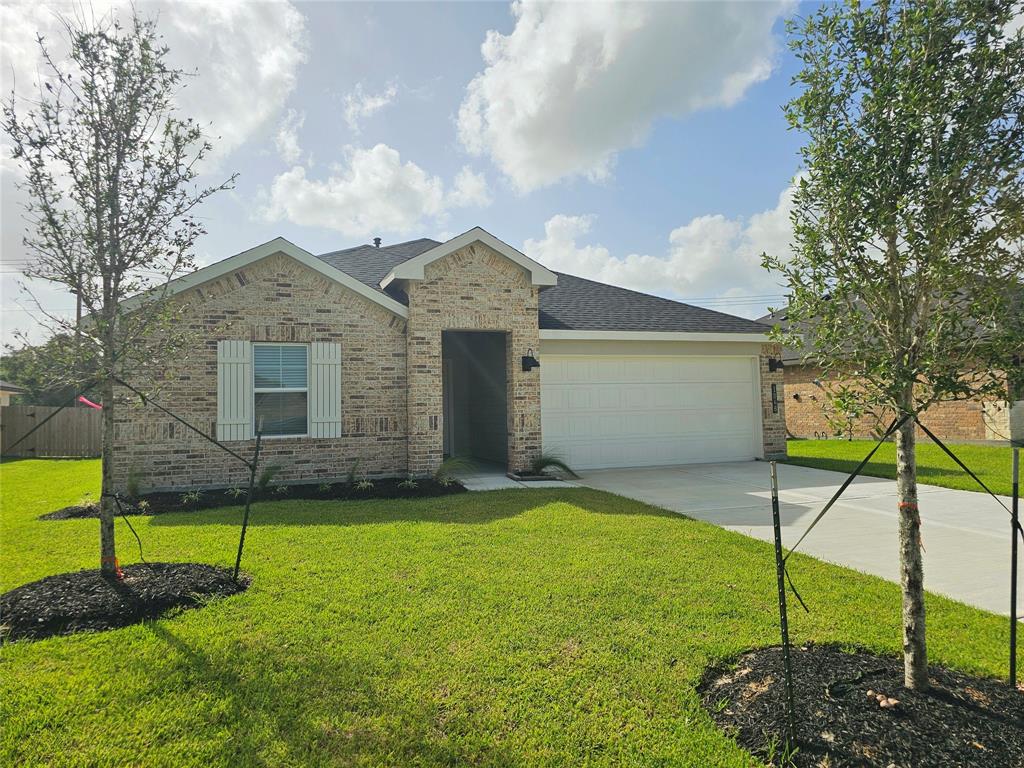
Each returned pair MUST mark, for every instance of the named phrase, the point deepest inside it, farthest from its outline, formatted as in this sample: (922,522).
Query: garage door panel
(605,411)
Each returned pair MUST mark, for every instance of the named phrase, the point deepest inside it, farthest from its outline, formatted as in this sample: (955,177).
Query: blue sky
(642,145)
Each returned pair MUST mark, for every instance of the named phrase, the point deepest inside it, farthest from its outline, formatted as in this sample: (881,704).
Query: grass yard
(989,462)
(526,627)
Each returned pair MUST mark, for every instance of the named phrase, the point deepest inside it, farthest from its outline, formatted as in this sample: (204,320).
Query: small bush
(550,461)
(324,487)
(408,483)
(191,497)
(236,492)
(132,483)
(445,474)
(365,485)
(350,478)
(263,481)
(143,506)
(281,490)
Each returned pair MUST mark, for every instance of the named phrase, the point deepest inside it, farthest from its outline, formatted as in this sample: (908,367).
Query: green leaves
(908,268)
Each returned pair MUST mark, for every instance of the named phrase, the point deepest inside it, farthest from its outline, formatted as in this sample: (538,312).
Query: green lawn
(528,627)
(990,463)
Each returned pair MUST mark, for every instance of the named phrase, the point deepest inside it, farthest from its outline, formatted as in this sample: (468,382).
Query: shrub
(236,492)
(445,474)
(365,485)
(547,461)
(191,497)
(350,478)
(132,483)
(263,481)
(408,483)
(324,487)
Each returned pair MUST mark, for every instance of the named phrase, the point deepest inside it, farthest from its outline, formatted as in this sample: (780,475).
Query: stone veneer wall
(961,420)
(274,299)
(773,425)
(474,288)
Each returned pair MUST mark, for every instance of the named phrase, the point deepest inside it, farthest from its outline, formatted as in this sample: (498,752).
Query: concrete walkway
(966,535)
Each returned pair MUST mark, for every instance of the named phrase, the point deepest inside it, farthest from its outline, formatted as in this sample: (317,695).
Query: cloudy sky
(638,144)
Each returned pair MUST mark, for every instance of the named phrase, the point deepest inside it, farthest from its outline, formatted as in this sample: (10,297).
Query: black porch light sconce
(529,361)
(774,364)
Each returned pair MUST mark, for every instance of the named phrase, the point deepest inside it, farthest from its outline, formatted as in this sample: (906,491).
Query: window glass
(280,397)
(283,413)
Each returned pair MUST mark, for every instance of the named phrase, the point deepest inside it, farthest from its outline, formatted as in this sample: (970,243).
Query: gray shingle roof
(370,265)
(574,304)
(586,305)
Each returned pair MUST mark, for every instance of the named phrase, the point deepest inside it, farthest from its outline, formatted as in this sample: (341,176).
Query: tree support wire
(252,465)
(787,668)
(1015,525)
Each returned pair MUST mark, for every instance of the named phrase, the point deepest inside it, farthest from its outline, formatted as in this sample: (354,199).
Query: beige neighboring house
(398,356)
(807,406)
(7,391)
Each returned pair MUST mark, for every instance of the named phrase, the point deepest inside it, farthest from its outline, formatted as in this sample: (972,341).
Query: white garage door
(636,411)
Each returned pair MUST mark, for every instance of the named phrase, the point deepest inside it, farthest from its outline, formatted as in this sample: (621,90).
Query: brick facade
(275,299)
(773,414)
(807,404)
(473,289)
(391,379)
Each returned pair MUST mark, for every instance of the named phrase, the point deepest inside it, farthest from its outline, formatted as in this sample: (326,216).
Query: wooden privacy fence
(72,432)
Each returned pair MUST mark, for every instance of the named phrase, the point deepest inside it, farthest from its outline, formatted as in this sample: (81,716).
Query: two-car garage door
(632,411)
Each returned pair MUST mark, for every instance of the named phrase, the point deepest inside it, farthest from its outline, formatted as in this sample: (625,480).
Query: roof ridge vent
(376,242)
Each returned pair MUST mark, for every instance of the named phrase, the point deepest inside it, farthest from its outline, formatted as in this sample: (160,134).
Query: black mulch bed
(960,721)
(86,601)
(158,503)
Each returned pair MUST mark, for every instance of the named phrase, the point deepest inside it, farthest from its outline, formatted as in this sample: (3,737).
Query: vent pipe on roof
(376,242)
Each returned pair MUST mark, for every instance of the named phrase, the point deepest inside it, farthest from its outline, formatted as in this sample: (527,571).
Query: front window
(280,394)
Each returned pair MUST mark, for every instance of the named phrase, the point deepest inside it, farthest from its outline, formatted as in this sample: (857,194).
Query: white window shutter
(325,389)
(234,390)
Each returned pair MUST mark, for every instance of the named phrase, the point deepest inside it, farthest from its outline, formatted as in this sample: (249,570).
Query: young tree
(907,248)
(110,171)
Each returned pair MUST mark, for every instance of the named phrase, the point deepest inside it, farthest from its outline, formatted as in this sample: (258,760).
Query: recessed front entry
(475,382)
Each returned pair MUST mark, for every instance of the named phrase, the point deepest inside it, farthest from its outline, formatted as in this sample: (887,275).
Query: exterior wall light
(774,364)
(529,361)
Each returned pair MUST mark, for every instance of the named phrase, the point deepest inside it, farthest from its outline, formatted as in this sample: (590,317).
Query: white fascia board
(549,333)
(413,268)
(277,245)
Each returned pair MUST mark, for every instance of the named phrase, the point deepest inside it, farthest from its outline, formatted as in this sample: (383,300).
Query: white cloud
(469,189)
(359,105)
(371,192)
(712,258)
(287,137)
(575,83)
(247,54)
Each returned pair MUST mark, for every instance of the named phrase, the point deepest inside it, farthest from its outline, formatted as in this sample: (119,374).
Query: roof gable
(275,246)
(412,269)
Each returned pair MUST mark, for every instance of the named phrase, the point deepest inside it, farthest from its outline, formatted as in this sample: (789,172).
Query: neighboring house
(394,357)
(807,405)
(7,391)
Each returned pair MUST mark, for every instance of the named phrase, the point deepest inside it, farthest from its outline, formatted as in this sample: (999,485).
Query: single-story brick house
(807,405)
(397,356)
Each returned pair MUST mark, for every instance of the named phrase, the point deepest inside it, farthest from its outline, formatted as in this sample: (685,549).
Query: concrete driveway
(966,535)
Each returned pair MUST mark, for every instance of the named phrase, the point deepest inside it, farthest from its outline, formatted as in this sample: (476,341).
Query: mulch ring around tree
(960,721)
(86,601)
(158,503)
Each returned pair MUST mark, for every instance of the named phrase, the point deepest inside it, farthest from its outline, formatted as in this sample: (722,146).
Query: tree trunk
(915,657)
(107,562)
